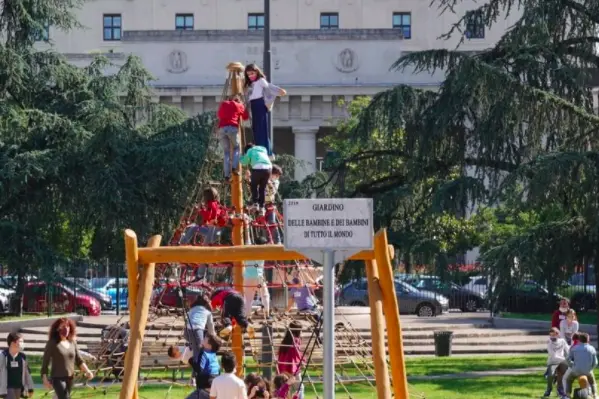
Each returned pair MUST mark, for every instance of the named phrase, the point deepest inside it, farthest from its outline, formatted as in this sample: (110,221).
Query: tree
(513,120)
(83,154)
(424,226)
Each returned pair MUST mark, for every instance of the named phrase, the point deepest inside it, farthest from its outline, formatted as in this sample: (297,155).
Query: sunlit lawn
(521,387)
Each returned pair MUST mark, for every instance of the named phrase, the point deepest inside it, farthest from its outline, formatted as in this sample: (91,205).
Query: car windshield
(405,286)
(100,282)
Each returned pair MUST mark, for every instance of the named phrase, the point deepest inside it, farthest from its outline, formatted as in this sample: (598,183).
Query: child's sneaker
(547,393)
(560,393)
(225,332)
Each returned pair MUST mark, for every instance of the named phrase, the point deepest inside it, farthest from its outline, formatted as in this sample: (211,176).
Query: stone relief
(346,61)
(177,62)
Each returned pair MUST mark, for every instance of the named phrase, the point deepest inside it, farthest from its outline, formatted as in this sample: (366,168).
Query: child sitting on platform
(261,169)
(271,207)
(232,307)
(210,212)
(230,114)
(584,392)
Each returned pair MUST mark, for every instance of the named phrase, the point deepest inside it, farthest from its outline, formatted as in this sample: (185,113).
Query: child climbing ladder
(262,97)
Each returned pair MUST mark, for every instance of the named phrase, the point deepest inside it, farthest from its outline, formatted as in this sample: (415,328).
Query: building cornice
(279,35)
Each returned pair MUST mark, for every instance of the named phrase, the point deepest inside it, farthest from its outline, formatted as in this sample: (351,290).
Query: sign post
(329,231)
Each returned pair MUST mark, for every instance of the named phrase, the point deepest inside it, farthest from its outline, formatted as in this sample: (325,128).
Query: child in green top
(256,157)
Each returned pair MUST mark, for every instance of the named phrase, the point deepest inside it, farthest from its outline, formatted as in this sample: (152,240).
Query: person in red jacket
(560,314)
(230,114)
(211,214)
(232,305)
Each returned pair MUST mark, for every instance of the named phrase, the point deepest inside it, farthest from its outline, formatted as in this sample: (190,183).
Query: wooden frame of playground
(382,297)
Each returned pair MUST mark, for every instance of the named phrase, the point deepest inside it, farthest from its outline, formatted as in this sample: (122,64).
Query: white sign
(331,224)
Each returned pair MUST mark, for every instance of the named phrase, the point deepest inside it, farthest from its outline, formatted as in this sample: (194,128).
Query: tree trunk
(19,293)
(407,261)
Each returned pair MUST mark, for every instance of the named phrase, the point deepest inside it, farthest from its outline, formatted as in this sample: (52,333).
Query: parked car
(63,299)
(168,295)
(583,301)
(478,284)
(78,288)
(108,286)
(459,297)
(411,300)
(528,297)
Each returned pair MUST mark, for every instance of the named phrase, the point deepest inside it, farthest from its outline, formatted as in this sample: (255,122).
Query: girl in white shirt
(569,326)
(262,97)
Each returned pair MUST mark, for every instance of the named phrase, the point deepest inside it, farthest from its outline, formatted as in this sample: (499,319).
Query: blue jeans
(208,232)
(229,137)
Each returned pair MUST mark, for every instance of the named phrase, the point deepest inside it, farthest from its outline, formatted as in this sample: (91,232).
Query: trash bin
(443,341)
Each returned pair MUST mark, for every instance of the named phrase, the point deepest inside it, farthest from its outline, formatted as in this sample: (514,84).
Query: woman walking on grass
(62,355)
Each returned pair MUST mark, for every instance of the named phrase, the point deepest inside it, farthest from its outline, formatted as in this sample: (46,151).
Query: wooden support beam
(391,307)
(132,260)
(190,254)
(377,325)
(138,321)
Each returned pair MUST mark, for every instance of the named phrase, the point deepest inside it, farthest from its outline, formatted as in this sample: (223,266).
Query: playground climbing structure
(135,351)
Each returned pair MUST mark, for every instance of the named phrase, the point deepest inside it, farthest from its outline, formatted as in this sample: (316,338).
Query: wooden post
(377,325)
(131,258)
(391,307)
(237,233)
(138,322)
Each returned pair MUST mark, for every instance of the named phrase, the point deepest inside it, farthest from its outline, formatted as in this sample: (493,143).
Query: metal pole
(118,290)
(267,65)
(329,324)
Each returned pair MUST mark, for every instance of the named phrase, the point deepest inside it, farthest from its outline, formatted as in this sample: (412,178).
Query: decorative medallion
(346,61)
(177,62)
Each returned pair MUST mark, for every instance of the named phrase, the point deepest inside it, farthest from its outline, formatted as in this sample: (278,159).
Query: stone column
(595,92)
(305,150)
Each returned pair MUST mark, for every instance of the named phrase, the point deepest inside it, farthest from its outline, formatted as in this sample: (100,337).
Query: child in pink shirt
(290,355)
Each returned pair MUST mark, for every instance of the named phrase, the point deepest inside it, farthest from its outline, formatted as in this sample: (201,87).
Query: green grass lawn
(416,366)
(521,387)
(583,318)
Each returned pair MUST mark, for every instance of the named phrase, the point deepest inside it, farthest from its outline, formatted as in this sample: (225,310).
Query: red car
(168,295)
(63,300)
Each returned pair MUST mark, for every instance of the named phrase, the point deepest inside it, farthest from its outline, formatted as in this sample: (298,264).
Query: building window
(329,20)
(184,22)
(475,26)
(112,27)
(42,35)
(255,21)
(403,21)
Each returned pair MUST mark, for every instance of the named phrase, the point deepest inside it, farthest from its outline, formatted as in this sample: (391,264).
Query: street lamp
(267,65)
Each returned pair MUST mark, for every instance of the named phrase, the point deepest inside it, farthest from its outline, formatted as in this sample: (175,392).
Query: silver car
(411,300)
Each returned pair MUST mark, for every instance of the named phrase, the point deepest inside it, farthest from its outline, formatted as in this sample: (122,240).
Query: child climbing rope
(289,359)
(210,211)
(200,323)
(261,169)
(230,114)
(232,307)
(262,97)
(271,208)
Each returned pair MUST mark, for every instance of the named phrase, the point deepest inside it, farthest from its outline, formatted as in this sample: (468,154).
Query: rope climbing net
(178,285)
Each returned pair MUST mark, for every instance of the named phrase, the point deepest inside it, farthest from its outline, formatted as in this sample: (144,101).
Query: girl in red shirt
(212,220)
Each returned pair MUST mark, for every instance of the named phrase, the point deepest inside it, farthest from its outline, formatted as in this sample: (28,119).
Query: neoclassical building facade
(324,52)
